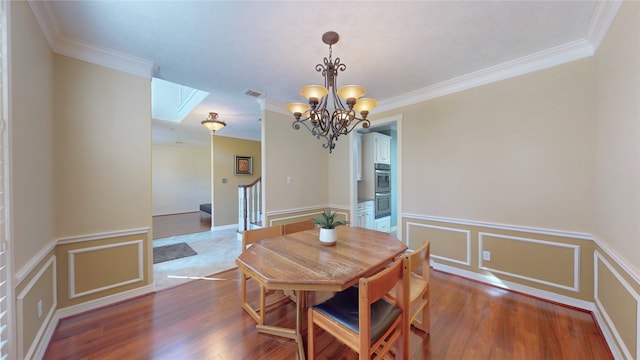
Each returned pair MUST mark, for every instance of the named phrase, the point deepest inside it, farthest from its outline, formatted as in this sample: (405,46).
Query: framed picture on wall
(244,165)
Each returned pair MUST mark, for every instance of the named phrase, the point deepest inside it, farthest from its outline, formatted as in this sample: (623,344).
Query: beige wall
(31,135)
(617,173)
(516,152)
(618,136)
(225,211)
(103,149)
(339,165)
(298,155)
(31,142)
(80,174)
(181,178)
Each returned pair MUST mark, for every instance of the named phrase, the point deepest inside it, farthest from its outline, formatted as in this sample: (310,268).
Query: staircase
(250,206)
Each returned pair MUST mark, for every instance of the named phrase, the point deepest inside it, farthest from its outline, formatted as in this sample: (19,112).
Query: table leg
(294,334)
(300,304)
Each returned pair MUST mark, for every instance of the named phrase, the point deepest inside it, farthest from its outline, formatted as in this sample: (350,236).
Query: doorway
(392,127)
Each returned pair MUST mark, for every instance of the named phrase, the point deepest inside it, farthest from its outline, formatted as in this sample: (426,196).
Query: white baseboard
(542,294)
(84,307)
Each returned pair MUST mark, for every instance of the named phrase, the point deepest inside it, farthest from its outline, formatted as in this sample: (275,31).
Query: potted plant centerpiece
(328,223)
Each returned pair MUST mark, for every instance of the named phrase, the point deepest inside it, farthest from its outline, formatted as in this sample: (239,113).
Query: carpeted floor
(217,251)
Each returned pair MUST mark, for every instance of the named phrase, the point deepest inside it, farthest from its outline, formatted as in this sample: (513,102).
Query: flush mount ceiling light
(338,119)
(212,123)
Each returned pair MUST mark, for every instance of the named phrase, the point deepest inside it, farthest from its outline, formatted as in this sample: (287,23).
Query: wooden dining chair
(363,319)
(419,307)
(298,226)
(268,298)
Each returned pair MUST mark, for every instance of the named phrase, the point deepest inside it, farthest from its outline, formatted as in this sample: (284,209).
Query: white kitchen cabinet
(382,149)
(365,214)
(378,147)
(368,214)
(383,224)
(361,216)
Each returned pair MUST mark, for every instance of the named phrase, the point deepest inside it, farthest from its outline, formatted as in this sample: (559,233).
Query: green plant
(328,220)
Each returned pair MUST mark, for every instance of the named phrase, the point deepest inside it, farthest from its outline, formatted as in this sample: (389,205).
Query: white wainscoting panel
(576,260)
(72,269)
(467,262)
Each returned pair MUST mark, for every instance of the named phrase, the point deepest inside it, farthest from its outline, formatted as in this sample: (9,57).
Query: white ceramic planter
(328,236)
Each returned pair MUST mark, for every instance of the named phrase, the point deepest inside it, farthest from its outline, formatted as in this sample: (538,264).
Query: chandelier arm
(312,129)
(324,125)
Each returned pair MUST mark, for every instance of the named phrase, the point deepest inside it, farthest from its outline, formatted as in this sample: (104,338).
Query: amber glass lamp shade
(314,92)
(351,92)
(297,108)
(365,104)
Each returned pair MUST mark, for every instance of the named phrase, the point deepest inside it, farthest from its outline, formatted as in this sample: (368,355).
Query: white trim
(7,136)
(602,308)
(85,51)
(301,216)
(103,301)
(276,107)
(33,262)
(542,294)
(101,236)
(43,13)
(467,232)
(341,207)
(397,119)
(615,351)
(304,209)
(72,253)
(576,261)
(47,319)
(224,227)
(569,234)
(541,60)
(108,58)
(632,271)
(84,307)
(602,17)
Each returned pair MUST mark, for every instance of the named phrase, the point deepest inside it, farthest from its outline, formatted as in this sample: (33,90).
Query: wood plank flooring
(203,320)
(180,224)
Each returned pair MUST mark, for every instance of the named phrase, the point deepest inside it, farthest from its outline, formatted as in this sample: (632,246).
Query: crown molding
(84,51)
(541,60)
(602,18)
(275,106)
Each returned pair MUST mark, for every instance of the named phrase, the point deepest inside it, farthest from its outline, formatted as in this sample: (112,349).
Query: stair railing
(249,205)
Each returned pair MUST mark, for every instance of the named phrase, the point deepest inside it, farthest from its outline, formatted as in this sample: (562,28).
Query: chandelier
(338,119)
(212,123)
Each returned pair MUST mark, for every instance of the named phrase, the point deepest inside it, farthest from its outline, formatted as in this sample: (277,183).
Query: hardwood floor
(180,224)
(203,320)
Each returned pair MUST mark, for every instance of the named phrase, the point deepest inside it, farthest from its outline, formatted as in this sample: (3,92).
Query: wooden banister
(249,204)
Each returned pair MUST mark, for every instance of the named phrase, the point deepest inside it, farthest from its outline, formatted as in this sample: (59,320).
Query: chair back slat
(251,236)
(298,226)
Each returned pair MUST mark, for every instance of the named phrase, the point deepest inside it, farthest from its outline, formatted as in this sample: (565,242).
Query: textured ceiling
(396,49)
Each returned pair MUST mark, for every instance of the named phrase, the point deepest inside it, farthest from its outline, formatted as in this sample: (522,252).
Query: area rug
(172,252)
